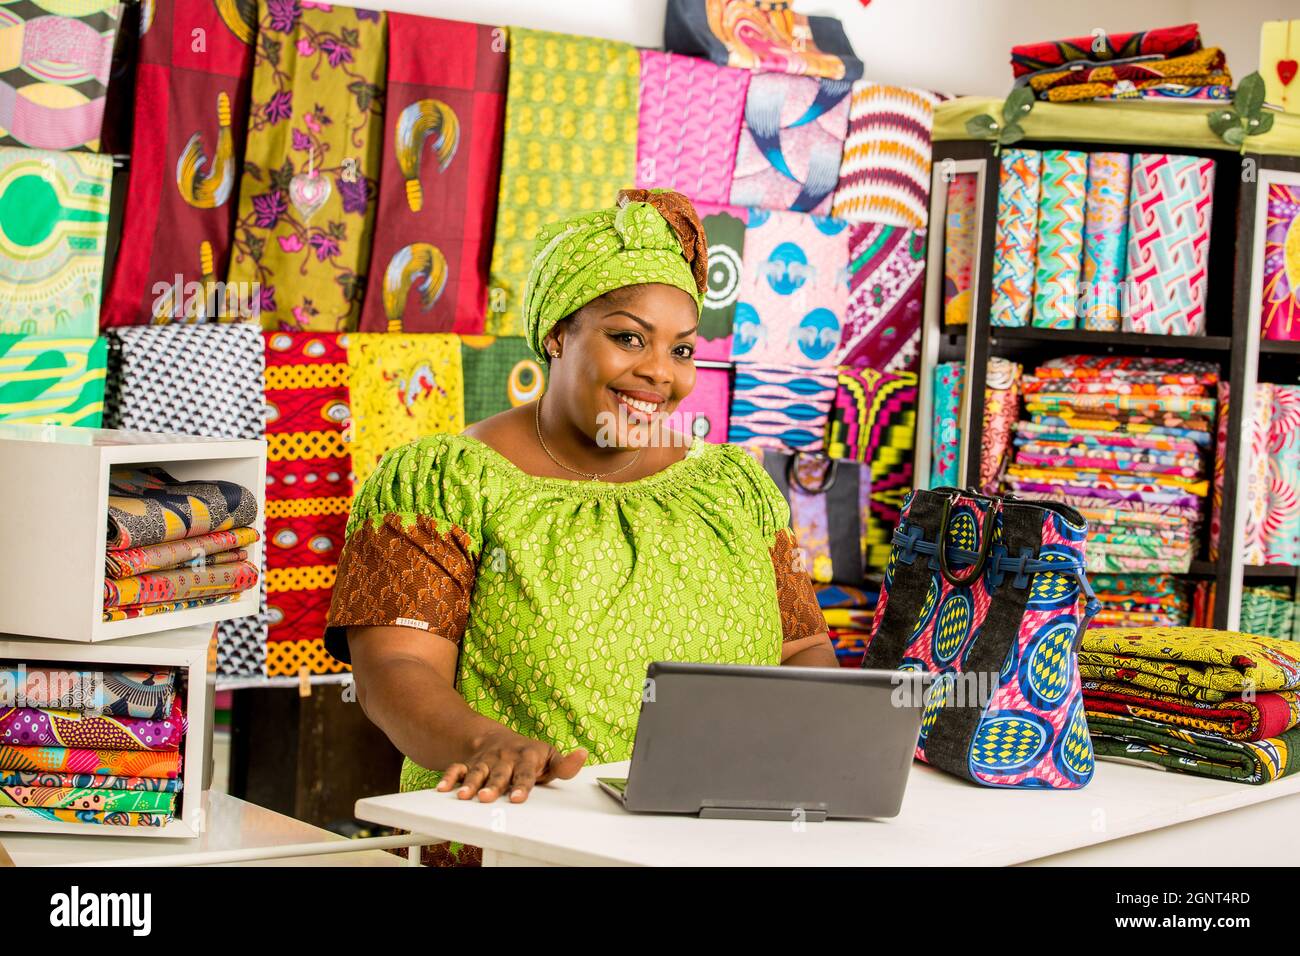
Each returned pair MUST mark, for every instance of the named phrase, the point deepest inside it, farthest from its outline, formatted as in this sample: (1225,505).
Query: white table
(1127,816)
(237,833)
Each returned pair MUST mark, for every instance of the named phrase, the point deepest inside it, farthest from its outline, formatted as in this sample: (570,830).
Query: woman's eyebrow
(646,325)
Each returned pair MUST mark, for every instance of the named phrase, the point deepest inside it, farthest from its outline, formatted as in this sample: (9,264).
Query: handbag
(827,498)
(983,593)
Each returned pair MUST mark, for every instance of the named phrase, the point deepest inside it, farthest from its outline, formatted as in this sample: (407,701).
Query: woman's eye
(685,351)
(627,338)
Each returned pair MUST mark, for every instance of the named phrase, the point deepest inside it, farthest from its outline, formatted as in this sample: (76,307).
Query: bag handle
(828,480)
(986,541)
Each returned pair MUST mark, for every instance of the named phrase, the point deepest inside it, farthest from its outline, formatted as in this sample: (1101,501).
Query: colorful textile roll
(1015,242)
(959,249)
(56,57)
(146,694)
(882,324)
(46,727)
(187,153)
(184,585)
(1170,205)
(148,506)
(791,143)
(793,290)
(500,373)
(885,172)
(50,381)
(1235,718)
(1105,239)
(126,612)
(689,125)
(82,798)
(1178,75)
(53,235)
(86,816)
(443,119)
(1062,193)
(1282,264)
(781,407)
(1255,472)
(403,387)
(570,146)
(945,449)
(1185,751)
(1161,43)
(306,200)
(705,412)
(1001,409)
(98,781)
(724,228)
(125,763)
(768,37)
(172,554)
(1282,524)
(308,492)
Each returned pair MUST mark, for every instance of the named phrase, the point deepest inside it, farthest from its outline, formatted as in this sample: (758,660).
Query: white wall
(957,46)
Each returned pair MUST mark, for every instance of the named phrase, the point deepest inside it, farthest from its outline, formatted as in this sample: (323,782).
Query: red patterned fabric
(1163,41)
(443,118)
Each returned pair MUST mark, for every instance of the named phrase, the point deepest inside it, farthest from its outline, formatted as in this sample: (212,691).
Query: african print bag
(827,497)
(993,615)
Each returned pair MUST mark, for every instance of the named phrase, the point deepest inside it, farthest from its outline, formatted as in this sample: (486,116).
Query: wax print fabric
(47,727)
(147,506)
(311,164)
(1185,751)
(791,143)
(1160,43)
(689,125)
(158,586)
(959,249)
(53,236)
(172,554)
(308,492)
(500,373)
(1282,264)
(86,816)
(705,412)
(402,387)
(769,37)
(569,147)
(1270,611)
(1015,242)
(1062,191)
(187,153)
(1170,204)
(885,172)
(793,292)
(55,59)
(724,230)
(882,324)
(1254,470)
(126,612)
(781,407)
(1105,239)
(125,763)
(96,781)
(52,381)
(949,380)
(1266,715)
(1001,410)
(1204,68)
(147,694)
(443,119)
(1282,524)
(99,801)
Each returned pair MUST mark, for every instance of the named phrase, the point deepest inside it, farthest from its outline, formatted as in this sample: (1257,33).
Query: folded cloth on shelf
(1194,662)
(123,763)
(217,548)
(113,818)
(1038,432)
(843,618)
(45,727)
(87,798)
(148,506)
(1094,494)
(123,693)
(1185,751)
(49,381)
(1125,618)
(842,595)
(1104,462)
(179,585)
(1035,383)
(1161,42)
(1125,367)
(127,611)
(1082,402)
(1112,479)
(1272,611)
(98,781)
(1264,715)
(1206,67)
(1193,431)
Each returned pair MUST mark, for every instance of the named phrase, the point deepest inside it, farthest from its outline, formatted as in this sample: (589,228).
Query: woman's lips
(640,404)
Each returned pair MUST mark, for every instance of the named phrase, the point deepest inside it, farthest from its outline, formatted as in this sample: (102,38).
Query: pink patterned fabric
(689,125)
(706,410)
(882,323)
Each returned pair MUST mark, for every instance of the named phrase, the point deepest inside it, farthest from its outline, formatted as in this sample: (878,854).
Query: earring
(555,353)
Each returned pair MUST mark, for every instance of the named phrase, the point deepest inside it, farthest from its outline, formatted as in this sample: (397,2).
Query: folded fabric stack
(175,544)
(1193,700)
(1271,611)
(82,746)
(1141,600)
(1168,63)
(848,613)
(1122,439)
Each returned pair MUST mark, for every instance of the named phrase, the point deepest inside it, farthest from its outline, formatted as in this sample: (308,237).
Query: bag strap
(986,540)
(828,479)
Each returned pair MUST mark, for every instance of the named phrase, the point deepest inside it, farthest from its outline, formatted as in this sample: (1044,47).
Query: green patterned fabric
(569,145)
(499,373)
(52,381)
(595,252)
(581,584)
(1115,736)
(88,798)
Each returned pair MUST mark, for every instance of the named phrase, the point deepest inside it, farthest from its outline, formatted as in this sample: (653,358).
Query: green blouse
(560,592)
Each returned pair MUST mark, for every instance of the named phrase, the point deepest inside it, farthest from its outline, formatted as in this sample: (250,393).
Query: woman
(504,589)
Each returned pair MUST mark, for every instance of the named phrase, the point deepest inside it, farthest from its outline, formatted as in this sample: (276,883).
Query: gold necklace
(586,474)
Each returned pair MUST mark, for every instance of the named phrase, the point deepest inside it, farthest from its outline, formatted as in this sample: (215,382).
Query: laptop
(772,743)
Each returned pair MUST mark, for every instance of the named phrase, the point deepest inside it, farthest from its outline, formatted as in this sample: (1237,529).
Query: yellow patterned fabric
(404,387)
(286,658)
(570,145)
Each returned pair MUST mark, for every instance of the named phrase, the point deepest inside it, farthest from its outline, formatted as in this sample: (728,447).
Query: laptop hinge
(763,813)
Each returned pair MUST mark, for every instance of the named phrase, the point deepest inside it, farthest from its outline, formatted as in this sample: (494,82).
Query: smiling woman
(502,591)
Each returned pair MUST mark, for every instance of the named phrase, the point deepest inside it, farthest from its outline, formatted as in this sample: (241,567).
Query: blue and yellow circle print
(927,607)
(1073,751)
(1045,669)
(1074,533)
(1052,589)
(1009,741)
(952,627)
(963,530)
(936,697)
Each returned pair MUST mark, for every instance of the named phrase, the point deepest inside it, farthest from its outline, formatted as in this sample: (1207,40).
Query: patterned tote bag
(827,498)
(983,593)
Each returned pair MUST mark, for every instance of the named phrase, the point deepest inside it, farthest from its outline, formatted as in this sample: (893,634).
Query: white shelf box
(187,650)
(54,524)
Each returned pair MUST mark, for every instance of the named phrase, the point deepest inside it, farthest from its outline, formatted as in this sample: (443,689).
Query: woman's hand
(505,761)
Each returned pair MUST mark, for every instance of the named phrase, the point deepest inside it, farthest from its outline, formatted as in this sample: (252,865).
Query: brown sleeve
(801,616)
(404,574)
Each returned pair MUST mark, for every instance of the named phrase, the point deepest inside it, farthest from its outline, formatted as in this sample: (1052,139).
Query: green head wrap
(652,235)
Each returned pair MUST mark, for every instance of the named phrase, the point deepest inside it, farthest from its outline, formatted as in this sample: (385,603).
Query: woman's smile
(640,404)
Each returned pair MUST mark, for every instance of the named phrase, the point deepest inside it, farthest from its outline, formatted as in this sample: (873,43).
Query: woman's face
(626,358)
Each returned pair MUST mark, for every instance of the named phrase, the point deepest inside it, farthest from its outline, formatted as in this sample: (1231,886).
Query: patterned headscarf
(652,235)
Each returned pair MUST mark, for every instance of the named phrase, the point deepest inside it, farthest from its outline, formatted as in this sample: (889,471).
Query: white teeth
(646,407)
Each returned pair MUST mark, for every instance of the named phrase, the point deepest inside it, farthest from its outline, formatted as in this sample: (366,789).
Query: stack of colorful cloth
(1193,700)
(175,544)
(848,612)
(1141,600)
(1271,611)
(83,746)
(1167,63)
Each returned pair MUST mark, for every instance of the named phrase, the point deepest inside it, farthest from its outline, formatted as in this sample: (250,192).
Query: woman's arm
(406,685)
(813,651)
